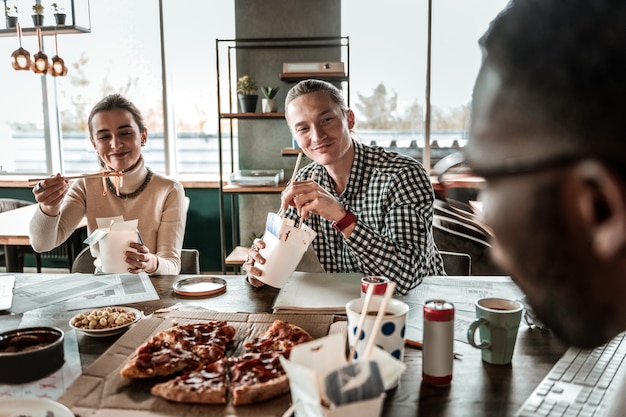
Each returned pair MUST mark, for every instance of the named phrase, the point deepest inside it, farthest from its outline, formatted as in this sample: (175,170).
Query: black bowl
(30,354)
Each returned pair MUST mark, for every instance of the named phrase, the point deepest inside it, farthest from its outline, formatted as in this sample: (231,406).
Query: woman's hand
(50,192)
(252,272)
(140,259)
(308,197)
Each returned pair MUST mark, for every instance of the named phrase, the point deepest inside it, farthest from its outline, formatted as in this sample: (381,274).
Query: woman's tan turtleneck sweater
(160,208)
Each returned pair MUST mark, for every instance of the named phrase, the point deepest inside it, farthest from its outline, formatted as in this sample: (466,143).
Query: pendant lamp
(58,68)
(20,58)
(40,64)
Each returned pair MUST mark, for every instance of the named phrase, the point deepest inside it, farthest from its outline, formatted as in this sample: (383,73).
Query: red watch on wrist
(346,221)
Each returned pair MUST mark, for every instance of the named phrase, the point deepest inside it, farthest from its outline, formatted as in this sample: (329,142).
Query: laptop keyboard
(578,383)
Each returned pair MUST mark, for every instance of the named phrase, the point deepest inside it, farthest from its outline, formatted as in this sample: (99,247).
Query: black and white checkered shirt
(392,197)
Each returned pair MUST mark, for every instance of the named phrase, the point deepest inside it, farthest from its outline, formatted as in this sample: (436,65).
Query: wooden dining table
(477,388)
(14,232)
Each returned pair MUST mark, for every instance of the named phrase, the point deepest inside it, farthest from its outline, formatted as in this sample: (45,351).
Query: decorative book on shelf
(258,178)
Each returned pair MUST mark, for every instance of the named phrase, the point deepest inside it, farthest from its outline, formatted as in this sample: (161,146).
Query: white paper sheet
(84,290)
(461,291)
(329,293)
(126,289)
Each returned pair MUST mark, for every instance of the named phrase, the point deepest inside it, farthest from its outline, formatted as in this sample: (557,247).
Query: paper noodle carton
(312,365)
(113,237)
(284,246)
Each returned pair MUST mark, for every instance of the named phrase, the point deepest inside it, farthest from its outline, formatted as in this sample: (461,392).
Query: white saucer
(34,407)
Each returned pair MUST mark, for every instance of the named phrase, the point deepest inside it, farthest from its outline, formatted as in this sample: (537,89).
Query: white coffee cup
(390,336)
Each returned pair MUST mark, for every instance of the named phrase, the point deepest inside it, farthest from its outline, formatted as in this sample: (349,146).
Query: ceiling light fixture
(20,58)
(58,68)
(40,60)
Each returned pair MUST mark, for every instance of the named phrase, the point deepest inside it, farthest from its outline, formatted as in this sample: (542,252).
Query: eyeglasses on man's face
(461,166)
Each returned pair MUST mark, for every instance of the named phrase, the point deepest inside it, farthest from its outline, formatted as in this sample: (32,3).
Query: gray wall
(261,141)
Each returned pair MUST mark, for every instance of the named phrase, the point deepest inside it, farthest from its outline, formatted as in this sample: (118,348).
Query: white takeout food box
(310,363)
(285,244)
(113,237)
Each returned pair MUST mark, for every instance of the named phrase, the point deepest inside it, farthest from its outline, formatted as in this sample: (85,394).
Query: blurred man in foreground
(549,137)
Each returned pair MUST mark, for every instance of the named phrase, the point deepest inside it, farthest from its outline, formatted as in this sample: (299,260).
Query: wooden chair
(7,204)
(83,262)
(449,240)
(444,209)
(461,227)
(456,263)
(189,262)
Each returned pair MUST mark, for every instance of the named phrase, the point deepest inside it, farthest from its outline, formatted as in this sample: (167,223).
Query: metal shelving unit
(78,20)
(230,113)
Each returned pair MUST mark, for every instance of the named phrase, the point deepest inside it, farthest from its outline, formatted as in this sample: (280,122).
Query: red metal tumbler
(438,349)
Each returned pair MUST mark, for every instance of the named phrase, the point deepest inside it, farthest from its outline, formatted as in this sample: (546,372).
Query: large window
(43,119)
(122,54)
(388,59)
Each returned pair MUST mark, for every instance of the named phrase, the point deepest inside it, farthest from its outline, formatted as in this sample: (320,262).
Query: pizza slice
(179,349)
(207,385)
(280,337)
(256,377)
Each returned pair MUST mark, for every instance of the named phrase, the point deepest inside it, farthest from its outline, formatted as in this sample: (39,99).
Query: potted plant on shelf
(268,104)
(59,14)
(10,12)
(38,13)
(246,92)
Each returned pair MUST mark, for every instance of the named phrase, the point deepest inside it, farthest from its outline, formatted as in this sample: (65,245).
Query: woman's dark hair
(117,101)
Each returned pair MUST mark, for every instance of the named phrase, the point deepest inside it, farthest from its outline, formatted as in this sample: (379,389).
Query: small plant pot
(60,18)
(247,103)
(11,21)
(38,19)
(269,105)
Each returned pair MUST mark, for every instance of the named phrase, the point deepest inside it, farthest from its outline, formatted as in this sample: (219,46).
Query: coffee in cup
(497,320)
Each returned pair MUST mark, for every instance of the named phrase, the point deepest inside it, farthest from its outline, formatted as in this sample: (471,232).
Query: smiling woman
(157,203)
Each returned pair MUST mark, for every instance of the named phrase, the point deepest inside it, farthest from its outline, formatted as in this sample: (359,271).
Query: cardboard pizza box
(100,391)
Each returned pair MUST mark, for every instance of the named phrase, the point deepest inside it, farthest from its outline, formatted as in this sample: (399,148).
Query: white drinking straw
(359,327)
(391,286)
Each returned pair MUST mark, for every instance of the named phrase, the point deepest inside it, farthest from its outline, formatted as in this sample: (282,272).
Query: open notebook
(6,291)
(305,292)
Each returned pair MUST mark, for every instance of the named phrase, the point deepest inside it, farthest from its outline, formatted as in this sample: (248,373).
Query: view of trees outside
(122,54)
(389,93)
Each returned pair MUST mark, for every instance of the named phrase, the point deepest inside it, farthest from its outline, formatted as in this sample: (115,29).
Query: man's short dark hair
(563,69)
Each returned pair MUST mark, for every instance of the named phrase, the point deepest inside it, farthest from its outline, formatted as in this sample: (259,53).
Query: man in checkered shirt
(372,209)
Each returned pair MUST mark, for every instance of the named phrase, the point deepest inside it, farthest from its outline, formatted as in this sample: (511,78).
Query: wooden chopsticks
(382,309)
(102,174)
(359,327)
